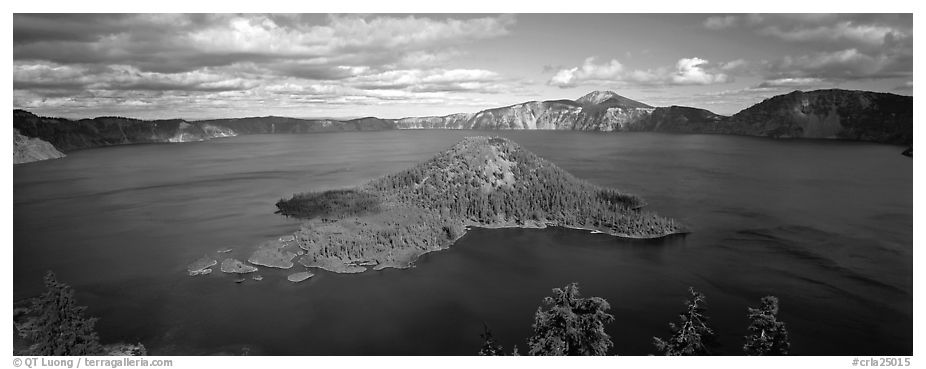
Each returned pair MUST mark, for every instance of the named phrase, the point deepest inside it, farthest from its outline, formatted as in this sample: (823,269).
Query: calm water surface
(825,226)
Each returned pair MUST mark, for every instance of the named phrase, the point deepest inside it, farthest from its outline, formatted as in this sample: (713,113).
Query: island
(479,182)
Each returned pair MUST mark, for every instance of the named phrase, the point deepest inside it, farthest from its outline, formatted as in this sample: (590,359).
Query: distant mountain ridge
(840,114)
(830,114)
(597,111)
(67,135)
(609,98)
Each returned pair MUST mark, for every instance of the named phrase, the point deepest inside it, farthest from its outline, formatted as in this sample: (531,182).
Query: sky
(397,65)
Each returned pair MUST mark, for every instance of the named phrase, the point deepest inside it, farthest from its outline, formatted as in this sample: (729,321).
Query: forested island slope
(480,181)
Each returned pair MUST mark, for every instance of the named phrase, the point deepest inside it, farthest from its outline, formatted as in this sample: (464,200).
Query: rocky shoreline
(479,182)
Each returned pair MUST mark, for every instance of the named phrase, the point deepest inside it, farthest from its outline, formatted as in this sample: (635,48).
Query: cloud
(907,87)
(849,30)
(721,22)
(49,76)
(847,46)
(588,71)
(78,60)
(736,66)
(864,33)
(791,82)
(350,34)
(691,71)
(848,64)
(687,71)
(434,80)
(180,42)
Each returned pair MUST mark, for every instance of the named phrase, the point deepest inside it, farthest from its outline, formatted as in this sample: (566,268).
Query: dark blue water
(825,226)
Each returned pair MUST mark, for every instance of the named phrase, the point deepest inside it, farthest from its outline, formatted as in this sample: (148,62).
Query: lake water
(825,226)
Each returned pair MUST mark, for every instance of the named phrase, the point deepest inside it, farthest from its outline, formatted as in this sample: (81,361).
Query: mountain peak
(597,97)
(609,99)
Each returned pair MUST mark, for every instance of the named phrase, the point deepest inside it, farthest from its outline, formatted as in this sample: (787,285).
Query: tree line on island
(568,324)
(486,181)
(480,181)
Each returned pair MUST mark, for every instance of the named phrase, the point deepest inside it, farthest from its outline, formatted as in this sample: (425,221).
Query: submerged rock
(258,277)
(299,277)
(201,266)
(236,266)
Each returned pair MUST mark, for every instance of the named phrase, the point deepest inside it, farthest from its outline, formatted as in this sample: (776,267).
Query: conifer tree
(690,334)
(490,347)
(59,327)
(571,325)
(767,336)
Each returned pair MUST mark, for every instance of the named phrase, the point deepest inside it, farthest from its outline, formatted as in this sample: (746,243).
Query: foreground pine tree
(490,347)
(571,325)
(768,336)
(58,327)
(690,333)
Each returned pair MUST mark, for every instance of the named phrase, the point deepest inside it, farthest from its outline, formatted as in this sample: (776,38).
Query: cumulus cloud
(433,80)
(848,64)
(588,71)
(687,71)
(204,58)
(848,46)
(691,71)
(721,22)
(865,33)
(735,66)
(791,82)
(179,41)
(906,87)
(861,30)
(61,78)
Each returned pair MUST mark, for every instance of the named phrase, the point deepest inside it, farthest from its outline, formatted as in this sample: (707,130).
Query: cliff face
(27,149)
(265,125)
(837,114)
(843,114)
(682,119)
(840,114)
(597,111)
(452,121)
(68,135)
(530,115)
